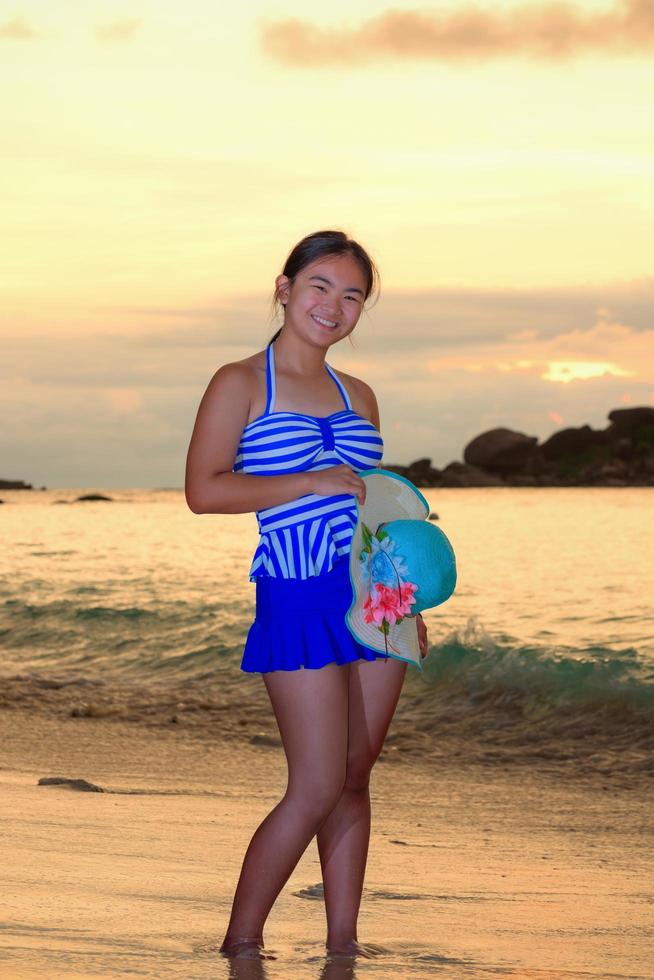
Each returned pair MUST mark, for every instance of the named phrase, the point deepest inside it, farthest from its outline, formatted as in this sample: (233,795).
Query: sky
(161,158)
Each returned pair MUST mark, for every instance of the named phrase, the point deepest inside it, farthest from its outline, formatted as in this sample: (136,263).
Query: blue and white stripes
(305,536)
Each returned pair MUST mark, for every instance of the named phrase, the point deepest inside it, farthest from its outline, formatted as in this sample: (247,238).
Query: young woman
(283,434)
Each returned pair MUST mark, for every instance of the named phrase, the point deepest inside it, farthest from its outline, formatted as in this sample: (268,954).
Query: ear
(282,285)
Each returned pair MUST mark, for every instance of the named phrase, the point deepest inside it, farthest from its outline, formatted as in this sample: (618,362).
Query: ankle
(231,940)
(342,942)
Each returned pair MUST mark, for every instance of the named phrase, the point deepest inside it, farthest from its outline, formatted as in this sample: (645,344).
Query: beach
(255,251)
(512,803)
(471,871)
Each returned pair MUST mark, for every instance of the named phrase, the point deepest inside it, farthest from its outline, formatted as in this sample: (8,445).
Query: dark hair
(320,245)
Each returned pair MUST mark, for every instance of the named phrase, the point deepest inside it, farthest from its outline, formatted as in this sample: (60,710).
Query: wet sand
(473,870)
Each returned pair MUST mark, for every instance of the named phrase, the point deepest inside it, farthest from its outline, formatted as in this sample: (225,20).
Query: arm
(210,485)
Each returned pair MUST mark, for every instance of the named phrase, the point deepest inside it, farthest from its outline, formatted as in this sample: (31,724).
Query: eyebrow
(350,289)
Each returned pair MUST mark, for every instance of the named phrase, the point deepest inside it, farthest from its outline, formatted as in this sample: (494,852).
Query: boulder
(464,475)
(500,450)
(613,469)
(571,441)
(422,473)
(524,480)
(625,420)
(15,485)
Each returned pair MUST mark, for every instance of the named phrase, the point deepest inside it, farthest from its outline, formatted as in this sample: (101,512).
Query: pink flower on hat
(389,604)
(390,595)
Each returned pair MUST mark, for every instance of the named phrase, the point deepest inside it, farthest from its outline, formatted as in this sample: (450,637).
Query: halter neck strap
(271,383)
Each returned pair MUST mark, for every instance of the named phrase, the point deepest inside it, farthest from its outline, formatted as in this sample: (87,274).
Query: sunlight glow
(565,371)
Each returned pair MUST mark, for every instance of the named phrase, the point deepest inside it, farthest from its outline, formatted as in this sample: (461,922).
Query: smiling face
(325,300)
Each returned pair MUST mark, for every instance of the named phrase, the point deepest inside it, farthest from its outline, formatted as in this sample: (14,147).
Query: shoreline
(443,727)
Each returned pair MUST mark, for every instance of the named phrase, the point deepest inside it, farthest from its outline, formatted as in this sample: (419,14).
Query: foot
(352,947)
(246,947)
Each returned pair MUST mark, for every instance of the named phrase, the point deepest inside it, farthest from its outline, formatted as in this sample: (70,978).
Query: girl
(283,434)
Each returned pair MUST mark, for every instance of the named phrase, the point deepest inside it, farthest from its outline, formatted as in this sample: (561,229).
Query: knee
(316,799)
(357,774)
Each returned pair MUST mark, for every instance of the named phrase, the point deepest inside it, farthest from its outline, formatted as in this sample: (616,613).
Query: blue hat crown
(420,553)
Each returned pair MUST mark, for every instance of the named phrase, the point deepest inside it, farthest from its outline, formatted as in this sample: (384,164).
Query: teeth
(325,323)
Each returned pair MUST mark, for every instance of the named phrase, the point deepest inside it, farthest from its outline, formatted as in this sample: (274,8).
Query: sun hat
(400,564)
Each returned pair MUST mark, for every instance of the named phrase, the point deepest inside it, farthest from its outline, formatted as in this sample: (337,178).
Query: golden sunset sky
(160,159)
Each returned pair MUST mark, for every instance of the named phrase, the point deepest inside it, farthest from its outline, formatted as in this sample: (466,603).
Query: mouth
(324,322)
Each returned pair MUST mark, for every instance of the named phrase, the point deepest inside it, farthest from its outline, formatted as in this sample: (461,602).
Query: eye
(323,290)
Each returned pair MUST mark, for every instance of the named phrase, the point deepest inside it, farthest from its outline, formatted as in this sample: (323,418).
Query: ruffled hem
(266,569)
(290,644)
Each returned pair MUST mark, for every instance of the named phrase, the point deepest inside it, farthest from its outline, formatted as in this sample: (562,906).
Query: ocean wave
(470,660)
(490,700)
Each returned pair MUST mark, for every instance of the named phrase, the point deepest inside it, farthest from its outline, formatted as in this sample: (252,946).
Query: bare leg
(343,838)
(311,710)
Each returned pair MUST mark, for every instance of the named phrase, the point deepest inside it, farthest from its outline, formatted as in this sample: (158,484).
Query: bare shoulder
(237,375)
(253,361)
(228,396)
(220,420)
(362,397)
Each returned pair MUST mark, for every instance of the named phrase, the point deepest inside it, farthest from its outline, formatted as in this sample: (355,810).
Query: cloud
(554,31)
(606,349)
(17,29)
(124,401)
(119,30)
(475,327)
(443,318)
(445,365)
(124,29)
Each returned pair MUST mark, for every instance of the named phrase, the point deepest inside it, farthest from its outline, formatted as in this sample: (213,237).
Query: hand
(422,636)
(338,479)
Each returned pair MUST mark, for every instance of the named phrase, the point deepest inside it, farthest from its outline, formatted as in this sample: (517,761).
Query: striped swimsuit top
(304,537)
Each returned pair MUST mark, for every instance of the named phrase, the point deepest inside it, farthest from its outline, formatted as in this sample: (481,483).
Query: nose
(332,313)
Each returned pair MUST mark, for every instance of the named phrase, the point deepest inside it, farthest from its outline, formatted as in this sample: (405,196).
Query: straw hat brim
(389,497)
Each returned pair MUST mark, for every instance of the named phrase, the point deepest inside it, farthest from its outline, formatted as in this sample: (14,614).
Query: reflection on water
(139,609)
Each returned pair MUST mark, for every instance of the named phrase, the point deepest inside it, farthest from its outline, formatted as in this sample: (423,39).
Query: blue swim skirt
(301,623)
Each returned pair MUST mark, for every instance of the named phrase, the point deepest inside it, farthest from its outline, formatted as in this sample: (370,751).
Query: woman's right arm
(210,485)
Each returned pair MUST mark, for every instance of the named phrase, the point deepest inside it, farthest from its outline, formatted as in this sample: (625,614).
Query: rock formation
(619,456)
(622,455)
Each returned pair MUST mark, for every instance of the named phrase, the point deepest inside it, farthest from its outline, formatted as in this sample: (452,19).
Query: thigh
(374,691)
(311,708)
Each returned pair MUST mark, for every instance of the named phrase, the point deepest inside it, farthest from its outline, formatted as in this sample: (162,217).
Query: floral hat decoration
(400,564)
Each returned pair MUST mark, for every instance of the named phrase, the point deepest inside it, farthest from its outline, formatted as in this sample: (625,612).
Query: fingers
(342,479)
(359,488)
(422,637)
(354,484)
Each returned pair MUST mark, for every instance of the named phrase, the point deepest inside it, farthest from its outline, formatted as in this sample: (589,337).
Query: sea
(136,607)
